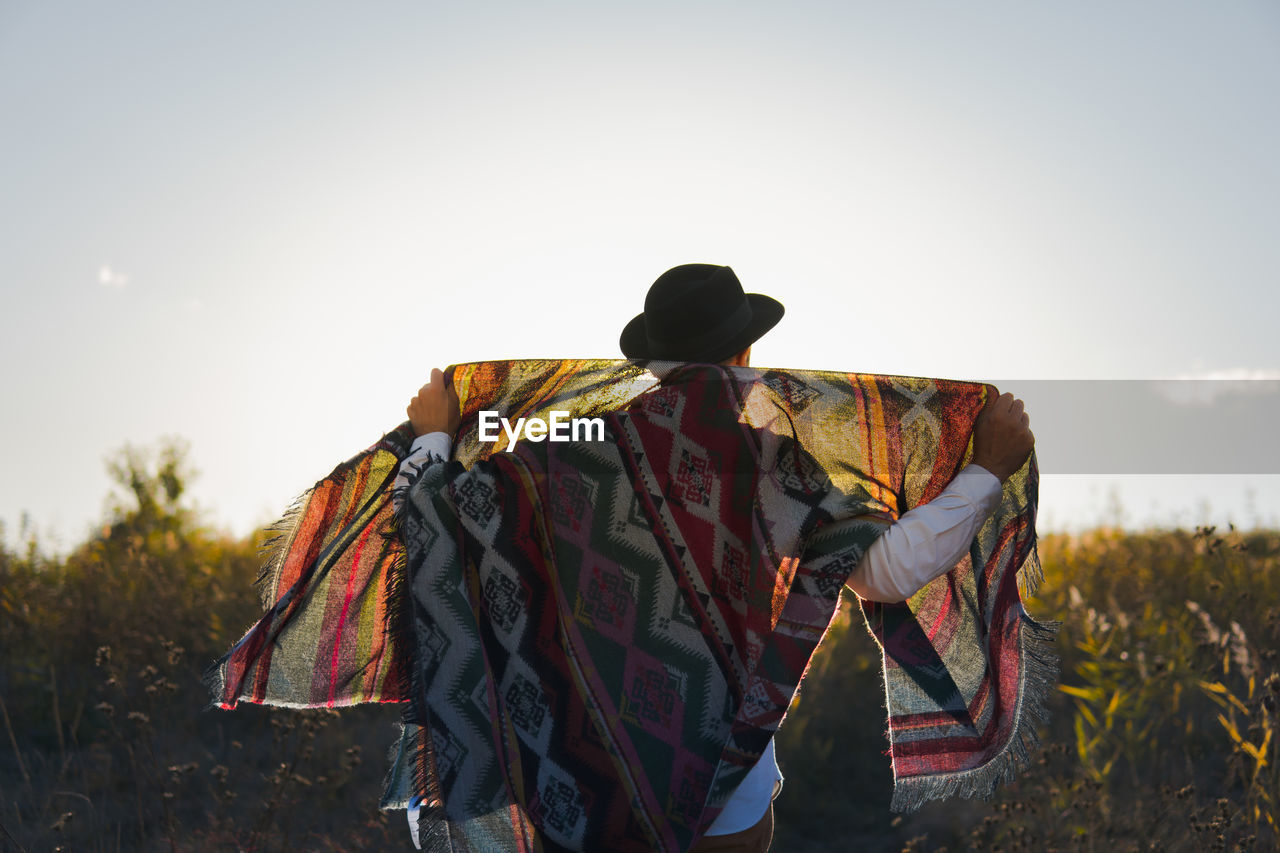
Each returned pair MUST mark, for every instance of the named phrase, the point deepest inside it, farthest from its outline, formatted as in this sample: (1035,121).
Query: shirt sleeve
(427,449)
(929,540)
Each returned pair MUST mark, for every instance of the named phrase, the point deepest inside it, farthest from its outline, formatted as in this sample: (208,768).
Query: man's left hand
(435,408)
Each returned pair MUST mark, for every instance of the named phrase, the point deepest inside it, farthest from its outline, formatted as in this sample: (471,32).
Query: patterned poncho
(595,639)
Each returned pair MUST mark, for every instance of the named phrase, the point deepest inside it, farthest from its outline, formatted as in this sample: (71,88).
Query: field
(1161,738)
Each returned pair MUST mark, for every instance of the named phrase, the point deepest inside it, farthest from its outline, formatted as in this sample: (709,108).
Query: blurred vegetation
(1162,734)
(104,740)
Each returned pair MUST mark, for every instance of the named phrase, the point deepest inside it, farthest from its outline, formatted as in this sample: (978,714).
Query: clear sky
(258,226)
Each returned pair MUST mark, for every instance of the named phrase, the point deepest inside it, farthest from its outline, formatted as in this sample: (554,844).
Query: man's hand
(435,408)
(1002,438)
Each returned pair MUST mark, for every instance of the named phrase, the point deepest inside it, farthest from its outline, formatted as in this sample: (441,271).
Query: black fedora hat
(698,312)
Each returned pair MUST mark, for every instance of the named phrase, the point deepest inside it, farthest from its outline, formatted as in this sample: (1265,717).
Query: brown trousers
(755,839)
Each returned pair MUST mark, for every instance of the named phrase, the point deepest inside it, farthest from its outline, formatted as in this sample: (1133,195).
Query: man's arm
(434,415)
(928,541)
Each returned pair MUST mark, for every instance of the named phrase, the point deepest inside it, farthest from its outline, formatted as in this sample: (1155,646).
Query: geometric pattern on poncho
(596,640)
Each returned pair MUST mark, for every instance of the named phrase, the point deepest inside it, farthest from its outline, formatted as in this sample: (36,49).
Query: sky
(258,226)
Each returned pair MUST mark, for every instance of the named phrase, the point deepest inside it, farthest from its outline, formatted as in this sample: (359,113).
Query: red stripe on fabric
(239,662)
(942,614)
(674,563)
(909,758)
(352,498)
(346,605)
(317,516)
(913,722)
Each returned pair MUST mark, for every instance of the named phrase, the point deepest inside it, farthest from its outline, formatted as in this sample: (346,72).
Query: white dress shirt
(922,544)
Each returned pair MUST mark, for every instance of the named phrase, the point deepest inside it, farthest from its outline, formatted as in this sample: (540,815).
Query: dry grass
(1162,735)
(105,743)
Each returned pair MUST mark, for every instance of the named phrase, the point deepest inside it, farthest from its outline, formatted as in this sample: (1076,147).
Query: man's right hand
(1002,438)
(435,407)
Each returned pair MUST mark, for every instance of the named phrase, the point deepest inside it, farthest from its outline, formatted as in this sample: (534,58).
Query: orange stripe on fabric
(782,589)
(875,435)
(303,548)
(302,551)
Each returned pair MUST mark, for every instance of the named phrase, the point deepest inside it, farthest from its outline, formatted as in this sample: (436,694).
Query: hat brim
(765,314)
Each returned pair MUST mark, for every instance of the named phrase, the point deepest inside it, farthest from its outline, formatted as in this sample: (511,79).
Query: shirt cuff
(431,447)
(980,486)
(434,443)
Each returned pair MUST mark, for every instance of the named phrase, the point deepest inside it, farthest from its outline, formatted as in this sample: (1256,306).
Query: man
(699,313)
